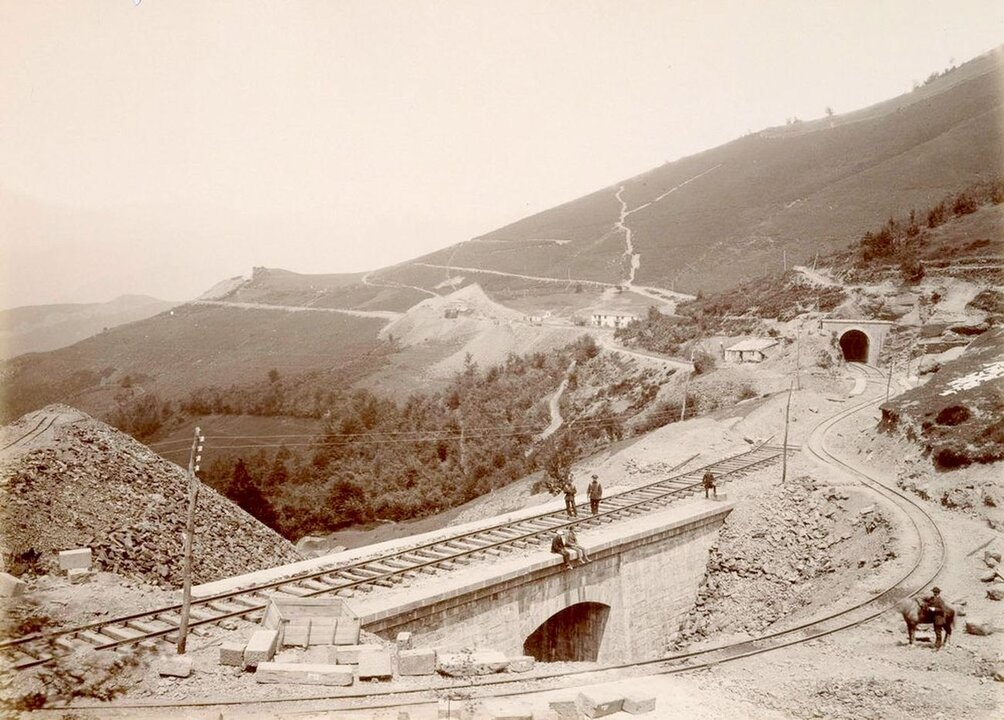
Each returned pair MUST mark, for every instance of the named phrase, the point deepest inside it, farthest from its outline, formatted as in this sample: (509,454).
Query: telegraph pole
(683,410)
(193,495)
(888,381)
(784,454)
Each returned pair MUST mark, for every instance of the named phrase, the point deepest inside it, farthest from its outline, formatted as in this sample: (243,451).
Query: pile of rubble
(772,547)
(92,486)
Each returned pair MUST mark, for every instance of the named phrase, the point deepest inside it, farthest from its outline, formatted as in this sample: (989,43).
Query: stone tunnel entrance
(571,635)
(854,345)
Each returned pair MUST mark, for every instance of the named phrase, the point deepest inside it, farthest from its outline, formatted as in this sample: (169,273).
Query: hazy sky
(157,148)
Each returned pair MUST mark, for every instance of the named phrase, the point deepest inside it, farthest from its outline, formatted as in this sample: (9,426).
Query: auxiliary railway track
(927,564)
(44,423)
(386,571)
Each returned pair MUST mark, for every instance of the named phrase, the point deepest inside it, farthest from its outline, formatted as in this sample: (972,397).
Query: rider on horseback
(934,604)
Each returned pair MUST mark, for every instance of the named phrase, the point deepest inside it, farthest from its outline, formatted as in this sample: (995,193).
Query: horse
(914,613)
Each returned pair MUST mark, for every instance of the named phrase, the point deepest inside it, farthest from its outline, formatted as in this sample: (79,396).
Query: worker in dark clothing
(572,543)
(935,606)
(595,493)
(709,483)
(558,548)
(569,490)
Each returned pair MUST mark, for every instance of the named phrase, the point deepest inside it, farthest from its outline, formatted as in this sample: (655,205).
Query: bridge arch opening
(854,345)
(571,635)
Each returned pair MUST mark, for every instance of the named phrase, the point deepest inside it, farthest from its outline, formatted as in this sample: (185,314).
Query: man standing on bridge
(709,484)
(595,492)
(569,490)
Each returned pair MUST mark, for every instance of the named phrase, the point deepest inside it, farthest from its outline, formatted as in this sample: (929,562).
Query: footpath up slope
(89,485)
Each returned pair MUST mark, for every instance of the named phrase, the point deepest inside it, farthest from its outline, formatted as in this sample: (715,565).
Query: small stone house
(613,320)
(754,350)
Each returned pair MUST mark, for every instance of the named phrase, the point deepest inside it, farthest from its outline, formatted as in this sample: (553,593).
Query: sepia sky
(158,148)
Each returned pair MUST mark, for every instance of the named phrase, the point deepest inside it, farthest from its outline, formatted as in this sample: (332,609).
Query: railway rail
(387,571)
(927,564)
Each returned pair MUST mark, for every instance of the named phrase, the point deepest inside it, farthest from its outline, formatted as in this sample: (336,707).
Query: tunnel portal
(854,345)
(571,635)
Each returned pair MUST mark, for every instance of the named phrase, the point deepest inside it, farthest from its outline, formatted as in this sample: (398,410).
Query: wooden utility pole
(784,454)
(193,496)
(686,385)
(888,381)
(798,363)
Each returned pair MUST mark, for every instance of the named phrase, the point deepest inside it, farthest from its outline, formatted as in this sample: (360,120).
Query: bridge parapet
(642,581)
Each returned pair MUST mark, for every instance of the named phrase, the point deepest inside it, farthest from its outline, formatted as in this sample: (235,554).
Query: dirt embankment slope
(87,485)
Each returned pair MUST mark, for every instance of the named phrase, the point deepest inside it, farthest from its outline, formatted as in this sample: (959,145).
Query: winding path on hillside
(387,315)
(634,259)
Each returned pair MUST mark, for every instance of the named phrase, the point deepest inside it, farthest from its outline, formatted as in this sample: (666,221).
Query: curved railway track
(44,423)
(389,570)
(927,564)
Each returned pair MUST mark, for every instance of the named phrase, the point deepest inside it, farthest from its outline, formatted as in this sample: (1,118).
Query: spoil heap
(773,552)
(89,485)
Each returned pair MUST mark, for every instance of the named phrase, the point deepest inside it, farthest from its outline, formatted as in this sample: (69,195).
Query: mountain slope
(708,221)
(37,328)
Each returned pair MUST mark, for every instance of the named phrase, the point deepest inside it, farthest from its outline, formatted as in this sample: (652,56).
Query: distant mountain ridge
(38,328)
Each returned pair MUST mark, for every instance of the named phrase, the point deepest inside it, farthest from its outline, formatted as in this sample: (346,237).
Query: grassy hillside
(193,345)
(709,221)
(37,328)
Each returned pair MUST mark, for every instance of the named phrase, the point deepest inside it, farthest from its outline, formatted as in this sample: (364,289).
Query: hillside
(37,328)
(84,484)
(708,221)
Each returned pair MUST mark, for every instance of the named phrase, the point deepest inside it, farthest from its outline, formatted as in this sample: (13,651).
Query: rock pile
(771,548)
(92,486)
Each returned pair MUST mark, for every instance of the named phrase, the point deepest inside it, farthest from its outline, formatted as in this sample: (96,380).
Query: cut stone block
(507,710)
(232,653)
(637,702)
(375,665)
(523,663)
(303,674)
(297,633)
(349,654)
(75,559)
(978,627)
(404,641)
(347,631)
(566,709)
(175,666)
(11,586)
(261,647)
(599,702)
(416,662)
(78,575)
(482,662)
(322,631)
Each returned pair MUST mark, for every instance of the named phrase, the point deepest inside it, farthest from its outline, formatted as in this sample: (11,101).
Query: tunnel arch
(573,634)
(854,346)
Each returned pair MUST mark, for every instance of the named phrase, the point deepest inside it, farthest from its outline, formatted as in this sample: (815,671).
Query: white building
(755,350)
(612,320)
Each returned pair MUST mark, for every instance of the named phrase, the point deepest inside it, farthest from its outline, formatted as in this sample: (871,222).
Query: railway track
(44,423)
(927,564)
(387,571)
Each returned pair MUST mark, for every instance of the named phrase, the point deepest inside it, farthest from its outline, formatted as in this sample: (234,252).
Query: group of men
(566,543)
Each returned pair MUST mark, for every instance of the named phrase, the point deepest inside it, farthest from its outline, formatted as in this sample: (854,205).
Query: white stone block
(347,631)
(322,631)
(349,654)
(507,710)
(175,666)
(599,702)
(375,665)
(482,662)
(261,647)
(404,640)
(416,662)
(11,586)
(303,674)
(232,653)
(75,559)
